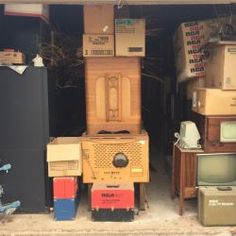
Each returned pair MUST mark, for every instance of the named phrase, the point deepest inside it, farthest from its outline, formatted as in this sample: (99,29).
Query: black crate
(121,215)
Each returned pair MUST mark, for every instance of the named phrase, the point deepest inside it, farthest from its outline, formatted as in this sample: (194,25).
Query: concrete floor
(161,218)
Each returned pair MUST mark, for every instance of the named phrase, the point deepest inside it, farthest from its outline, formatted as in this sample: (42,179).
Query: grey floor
(160,218)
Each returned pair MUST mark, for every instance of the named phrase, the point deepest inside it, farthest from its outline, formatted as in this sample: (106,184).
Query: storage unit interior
(164,103)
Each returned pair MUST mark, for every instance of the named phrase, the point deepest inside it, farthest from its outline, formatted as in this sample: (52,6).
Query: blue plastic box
(65,209)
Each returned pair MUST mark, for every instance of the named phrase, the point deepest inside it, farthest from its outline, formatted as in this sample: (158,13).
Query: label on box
(130,37)
(98,45)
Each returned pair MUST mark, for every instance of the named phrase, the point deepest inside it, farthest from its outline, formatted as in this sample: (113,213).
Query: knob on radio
(120,160)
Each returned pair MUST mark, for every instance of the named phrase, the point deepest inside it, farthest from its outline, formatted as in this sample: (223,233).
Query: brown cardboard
(98,19)
(212,101)
(220,66)
(130,37)
(98,45)
(64,157)
(189,39)
(11,57)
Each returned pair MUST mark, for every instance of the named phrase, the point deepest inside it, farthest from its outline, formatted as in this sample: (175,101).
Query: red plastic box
(112,196)
(65,187)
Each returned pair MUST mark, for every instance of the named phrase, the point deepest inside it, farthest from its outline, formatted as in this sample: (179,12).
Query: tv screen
(228,131)
(216,169)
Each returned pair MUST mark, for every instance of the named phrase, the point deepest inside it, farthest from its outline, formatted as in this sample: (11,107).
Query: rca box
(130,37)
(65,187)
(65,209)
(113,95)
(213,101)
(189,40)
(218,133)
(217,206)
(98,45)
(108,215)
(99,19)
(220,67)
(112,196)
(113,158)
(64,157)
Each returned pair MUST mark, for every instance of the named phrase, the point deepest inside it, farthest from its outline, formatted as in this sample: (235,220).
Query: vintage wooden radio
(115,158)
(218,133)
(113,94)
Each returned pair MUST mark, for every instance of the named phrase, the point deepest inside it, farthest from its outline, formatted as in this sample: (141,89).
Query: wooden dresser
(184,169)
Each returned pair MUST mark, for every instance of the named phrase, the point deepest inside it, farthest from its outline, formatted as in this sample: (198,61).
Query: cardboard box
(12,57)
(30,10)
(189,40)
(217,206)
(65,187)
(98,45)
(212,101)
(98,19)
(220,68)
(64,157)
(130,37)
(112,196)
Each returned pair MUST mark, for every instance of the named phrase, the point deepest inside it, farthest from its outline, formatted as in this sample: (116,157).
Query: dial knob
(120,160)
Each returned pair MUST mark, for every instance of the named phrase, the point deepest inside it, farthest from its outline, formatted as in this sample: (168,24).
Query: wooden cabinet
(210,132)
(184,168)
(113,96)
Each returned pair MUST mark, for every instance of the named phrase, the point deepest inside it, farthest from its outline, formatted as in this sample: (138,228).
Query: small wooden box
(65,187)
(113,95)
(12,57)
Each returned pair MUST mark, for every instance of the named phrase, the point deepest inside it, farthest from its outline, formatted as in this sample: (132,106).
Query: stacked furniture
(214,109)
(115,148)
(64,165)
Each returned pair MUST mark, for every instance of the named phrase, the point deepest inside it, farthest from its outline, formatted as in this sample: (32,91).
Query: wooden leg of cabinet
(89,196)
(142,197)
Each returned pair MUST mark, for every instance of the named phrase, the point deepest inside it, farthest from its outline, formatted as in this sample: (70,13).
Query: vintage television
(216,169)
(228,131)
(188,135)
(115,158)
(218,133)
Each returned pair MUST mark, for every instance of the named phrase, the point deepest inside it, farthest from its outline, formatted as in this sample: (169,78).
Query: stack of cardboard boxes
(207,65)
(190,42)
(115,149)
(214,109)
(65,165)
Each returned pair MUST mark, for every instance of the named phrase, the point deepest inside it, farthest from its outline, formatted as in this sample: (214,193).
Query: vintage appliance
(216,178)
(113,95)
(188,136)
(115,158)
(218,133)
